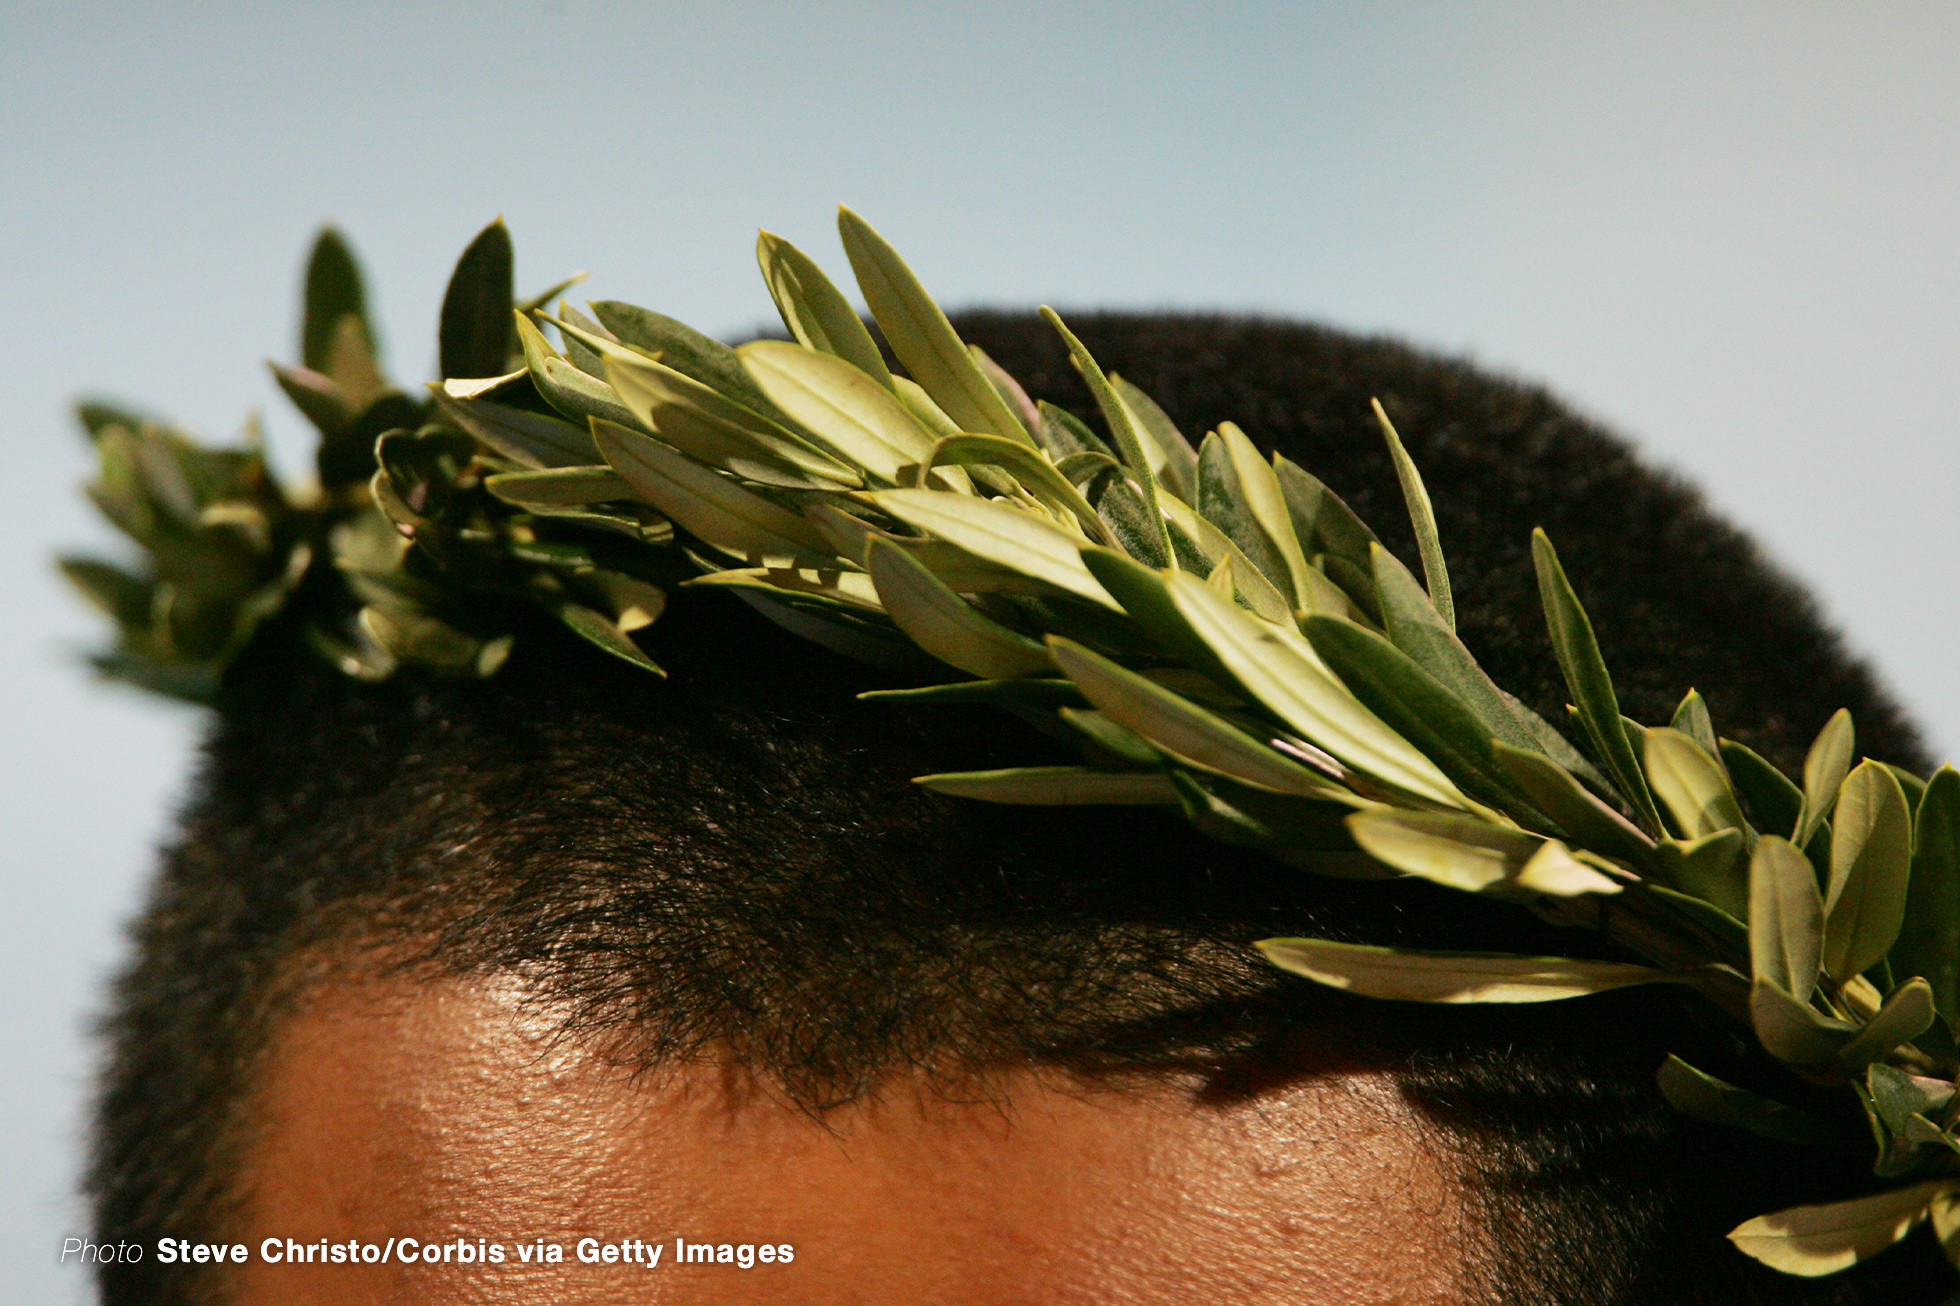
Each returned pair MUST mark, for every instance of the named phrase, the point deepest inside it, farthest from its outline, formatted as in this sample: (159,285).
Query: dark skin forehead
(445,1108)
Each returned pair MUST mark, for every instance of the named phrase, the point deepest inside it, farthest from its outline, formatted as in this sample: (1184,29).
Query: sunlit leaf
(1871,860)
(920,335)
(814,310)
(1824,769)
(1812,1241)
(1014,539)
(1422,517)
(1453,976)
(1786,917)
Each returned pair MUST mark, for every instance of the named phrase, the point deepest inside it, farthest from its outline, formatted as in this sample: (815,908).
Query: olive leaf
(920,334)
(1425,976)
(1871,860)
(1052,786)
(945,625)
(1817,1240)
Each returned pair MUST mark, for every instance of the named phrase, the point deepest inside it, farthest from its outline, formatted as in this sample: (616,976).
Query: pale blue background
(1728,230)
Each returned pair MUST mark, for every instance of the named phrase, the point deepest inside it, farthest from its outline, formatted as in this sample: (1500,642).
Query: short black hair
(735,857)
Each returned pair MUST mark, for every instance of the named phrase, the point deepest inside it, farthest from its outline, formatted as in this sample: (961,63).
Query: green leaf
(526,438)
(920,334)
(605,634)
(1907,1014)
(1005,535)
(1692,783)
(1871,861)
(1824,769)
(1416,706)
(1129,445)
(1291,680)
(1187,732)
(1267,502)
(1032,693)
(1463,852)
(1052,786)
(1766,793)
(1786,917)
(1586,676)
(1321,520)
(1701,1095)
(421,637)
(333,293)
(1794,1031)
(814,310)
(1710,868)
(1257,593)
(1179,470)
(1420,976)
(1929,938)
(716,430)
(563,386)
(842,406)
(1027,465)
(126,599)
(1063,433)
(1007,388)
(945,625)
(822,590)
(1812,1241)
(682,348)
(476,309)
(1415,627)
(1579,813)
(1691,719)
(707,504)
(559,487)
(1422,516)
(1222,503)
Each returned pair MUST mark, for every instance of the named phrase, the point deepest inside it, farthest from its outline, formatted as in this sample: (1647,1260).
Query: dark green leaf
(1322,521)
(1179,471)
(1063,433)
(684,349)
(1929,939)
(1129,445)
(1701,1095)
(1419,708)
(526,438)
(1772,802)
(603,633)
(333,293)
(475,334)
(1587,679)
(1415,627)
(1589,822)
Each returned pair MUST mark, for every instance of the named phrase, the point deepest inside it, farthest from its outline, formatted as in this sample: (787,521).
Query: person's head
(575,952)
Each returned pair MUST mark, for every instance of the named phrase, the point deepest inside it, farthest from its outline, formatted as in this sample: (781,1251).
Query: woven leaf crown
(1221,632)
